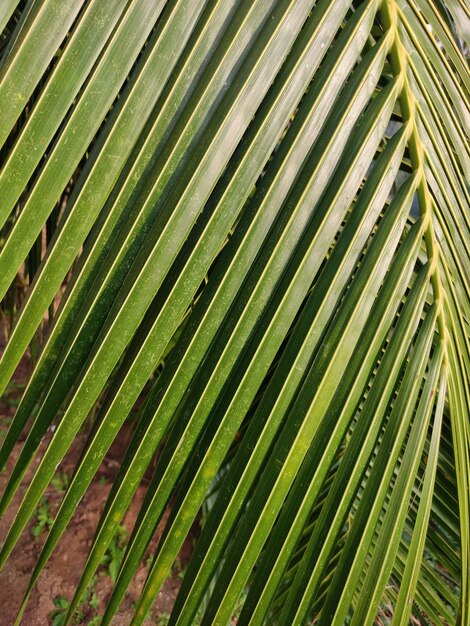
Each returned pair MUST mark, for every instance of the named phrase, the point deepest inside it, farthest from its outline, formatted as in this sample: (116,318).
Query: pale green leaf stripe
(288,374)
(386,545)
(446,269)
(454,250)
(461,398)
(6,11)
(431,576)
(456,315)
(457,299)
(437,52)
(445,507)
(441,130)
(361,445)
(41,34)
(429,584)
(444,547)
(450,223)
(339,197)
(438,546)
(340,593)
(325,446)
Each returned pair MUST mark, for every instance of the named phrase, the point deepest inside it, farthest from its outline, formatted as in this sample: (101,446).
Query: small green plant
(90,596)
(58,614)
(149,561)
(43,517)
(82,614)
(178,568)
(60,481)
(12,395)
(94,601)
(149,612)
(162,619)
(5,422)
(113,556)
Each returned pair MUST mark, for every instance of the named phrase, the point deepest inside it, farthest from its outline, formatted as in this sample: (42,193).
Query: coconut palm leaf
(257,219)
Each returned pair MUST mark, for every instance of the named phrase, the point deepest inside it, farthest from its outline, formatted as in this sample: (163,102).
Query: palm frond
(258,211)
